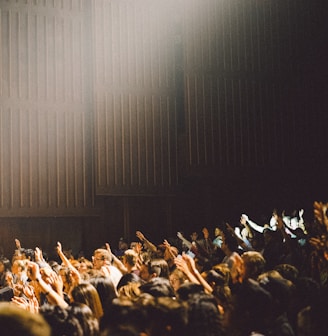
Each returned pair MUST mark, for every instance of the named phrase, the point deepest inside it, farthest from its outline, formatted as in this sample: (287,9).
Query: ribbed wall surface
(45,136)
(135,96)
(250,99)
(124,97)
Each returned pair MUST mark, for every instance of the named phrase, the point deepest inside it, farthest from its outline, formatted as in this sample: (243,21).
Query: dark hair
(123,314)
(88,322)
(128,278)
(160,267)
(158,287)
(106,290)
(204,318)
(6,263)
(61,321)
(187,289)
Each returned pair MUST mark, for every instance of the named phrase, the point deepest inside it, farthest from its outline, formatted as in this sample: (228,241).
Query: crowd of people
(248,279)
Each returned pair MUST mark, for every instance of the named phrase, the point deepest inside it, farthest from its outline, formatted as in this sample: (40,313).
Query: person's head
(124,318)
(154,268)
(223,271)
(84,266)
(165,316)
(5,265)
(158,287)
(268,235)
(123,244)
(129,278)
(194,236)
(130,258)
(101,257)
(145,271)
(61,321)
(86,293)
(18,266)
(128,286)
(65,274)
(188,289)
(88,322)
(288,271)
(15,321)
(243,219)
(160,268)
(253,264)
(105,288)
(218,232)
(221,290)
(229,243)
(280,289)
(251,309)
(204,318)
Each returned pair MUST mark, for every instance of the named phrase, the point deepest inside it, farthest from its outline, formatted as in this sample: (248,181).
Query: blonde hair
(131,257)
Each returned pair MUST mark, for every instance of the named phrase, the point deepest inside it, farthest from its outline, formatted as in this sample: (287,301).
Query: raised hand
(190,261)
(59,247)
(108,248)
(140,235)
(31,305)
(166,244)
(38,254)
(180,235)
(182,265)
(18,244)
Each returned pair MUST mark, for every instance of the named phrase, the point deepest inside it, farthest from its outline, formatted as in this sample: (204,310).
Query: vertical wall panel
(135,130)
(256,52)
(45,140)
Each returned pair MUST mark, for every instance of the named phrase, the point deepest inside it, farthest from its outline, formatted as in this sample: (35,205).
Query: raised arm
(236,234)
(149,245)
(52,296)
(75,274)
(184,240)
(253,225)
(116,261)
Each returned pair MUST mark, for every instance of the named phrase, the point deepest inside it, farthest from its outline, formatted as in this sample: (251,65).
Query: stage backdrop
(119,115)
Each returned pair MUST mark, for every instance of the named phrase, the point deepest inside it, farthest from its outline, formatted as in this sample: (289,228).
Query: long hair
(86,293)
(88,322)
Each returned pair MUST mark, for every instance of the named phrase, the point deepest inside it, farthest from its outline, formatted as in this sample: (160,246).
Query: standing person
(205,244)
(102,261)
(130,259)
(218,237)
(232,257)
(244,231)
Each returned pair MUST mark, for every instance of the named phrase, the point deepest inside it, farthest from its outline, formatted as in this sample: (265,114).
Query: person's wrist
(47,291)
